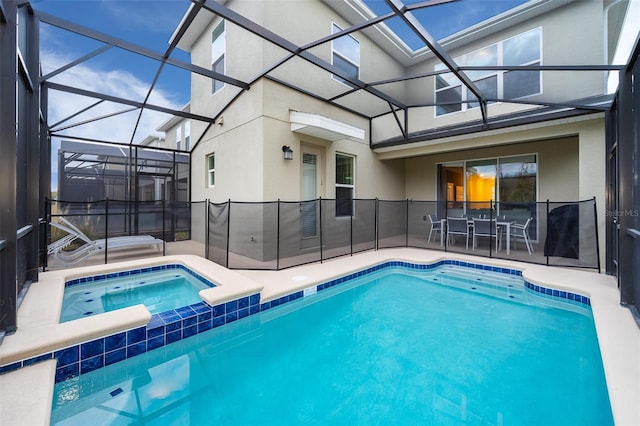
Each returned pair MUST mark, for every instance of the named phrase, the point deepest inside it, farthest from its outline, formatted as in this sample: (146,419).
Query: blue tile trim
(95,278)
(416,266)
(162,329)
(558,294)
(174,325)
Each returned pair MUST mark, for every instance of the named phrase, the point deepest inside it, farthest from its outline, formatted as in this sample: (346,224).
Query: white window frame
(344,185)
(219,43)
(187,135)
(334,29)
(461,60)
(178,137)
(211,171)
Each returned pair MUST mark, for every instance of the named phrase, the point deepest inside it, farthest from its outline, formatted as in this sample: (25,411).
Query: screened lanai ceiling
(120,83)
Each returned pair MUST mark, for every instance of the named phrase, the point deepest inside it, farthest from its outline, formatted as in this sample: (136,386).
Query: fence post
(164,245)
(491,229)
(206,228)
(353,207)
(595,219)
(106,228)
(406,223)
(375,224)
(47,219)
(278,238)
(228,229)
(321,253)
(443,226)
(547,228)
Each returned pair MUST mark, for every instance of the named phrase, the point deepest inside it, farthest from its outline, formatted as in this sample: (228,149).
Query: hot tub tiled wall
(171,326)
(130,272)
(162,329)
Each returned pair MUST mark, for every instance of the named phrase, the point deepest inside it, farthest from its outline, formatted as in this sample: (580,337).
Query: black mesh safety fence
(298,226)
(252,235)
(217,233)
(112,230)
(392,223)
(364,225)
(281,234)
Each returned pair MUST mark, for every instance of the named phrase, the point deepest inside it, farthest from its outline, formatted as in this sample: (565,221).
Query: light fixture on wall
(288,152)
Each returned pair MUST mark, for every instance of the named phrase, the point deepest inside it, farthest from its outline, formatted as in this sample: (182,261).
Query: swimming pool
(442,346)
(160,288)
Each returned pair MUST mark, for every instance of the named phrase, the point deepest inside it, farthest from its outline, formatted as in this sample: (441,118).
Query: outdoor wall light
(288,152)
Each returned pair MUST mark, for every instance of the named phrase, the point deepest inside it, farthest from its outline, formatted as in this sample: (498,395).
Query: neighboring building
(526,153)
(177,131)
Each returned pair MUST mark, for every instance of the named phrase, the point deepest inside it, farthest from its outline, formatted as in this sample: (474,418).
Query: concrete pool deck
(26,394)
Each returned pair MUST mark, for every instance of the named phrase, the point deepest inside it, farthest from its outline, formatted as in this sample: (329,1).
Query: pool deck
(26,394)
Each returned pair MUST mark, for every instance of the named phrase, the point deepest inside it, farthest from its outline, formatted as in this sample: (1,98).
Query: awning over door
(323,127)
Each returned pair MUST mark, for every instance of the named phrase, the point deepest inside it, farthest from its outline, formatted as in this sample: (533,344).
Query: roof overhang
(323,127)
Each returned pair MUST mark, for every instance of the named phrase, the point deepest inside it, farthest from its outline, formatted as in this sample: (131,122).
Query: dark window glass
(452,97)
(521,83)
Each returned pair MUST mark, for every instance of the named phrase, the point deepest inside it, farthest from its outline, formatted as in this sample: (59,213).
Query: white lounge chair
(92,247)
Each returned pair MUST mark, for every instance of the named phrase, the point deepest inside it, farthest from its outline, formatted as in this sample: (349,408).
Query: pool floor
(386,348)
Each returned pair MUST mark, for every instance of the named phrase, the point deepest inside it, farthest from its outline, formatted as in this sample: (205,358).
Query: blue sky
(150,23)
(444,19)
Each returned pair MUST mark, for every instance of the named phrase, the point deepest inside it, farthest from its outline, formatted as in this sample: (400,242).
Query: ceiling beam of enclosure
(399,10)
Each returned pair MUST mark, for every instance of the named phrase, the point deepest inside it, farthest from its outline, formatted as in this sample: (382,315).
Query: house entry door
(309,195)
(310,191)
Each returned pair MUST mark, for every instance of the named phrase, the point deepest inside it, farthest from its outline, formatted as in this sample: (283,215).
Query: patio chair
(436,226)
(92,247)
(522,231)
(485,228)
(457,226)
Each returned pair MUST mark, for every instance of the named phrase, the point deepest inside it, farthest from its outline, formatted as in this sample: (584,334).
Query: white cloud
(115,82)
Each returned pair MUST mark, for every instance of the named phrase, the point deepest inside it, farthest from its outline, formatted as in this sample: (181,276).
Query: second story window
(345,54)
(218,47)
(211,170)
(187,135)
(523,49)
(178,138)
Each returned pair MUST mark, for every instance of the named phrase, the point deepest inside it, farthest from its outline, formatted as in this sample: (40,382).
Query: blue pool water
(159,291)
(448,346)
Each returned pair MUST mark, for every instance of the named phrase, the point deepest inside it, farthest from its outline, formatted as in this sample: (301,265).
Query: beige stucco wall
(558,169)
(249,159)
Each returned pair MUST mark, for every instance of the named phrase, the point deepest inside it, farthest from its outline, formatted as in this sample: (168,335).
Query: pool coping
(614,324)
(40,332)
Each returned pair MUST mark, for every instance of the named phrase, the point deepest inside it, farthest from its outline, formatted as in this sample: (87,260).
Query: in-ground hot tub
(160,288)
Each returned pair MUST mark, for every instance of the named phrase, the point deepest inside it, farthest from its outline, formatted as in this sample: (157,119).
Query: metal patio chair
(436,226)
(485,228)
(519,231)
(458,226)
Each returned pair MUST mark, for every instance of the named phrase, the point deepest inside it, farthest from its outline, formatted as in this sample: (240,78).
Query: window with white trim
(178,137)
(345,54)
(187,135)
(211,170)
(521,50)
(345,184)
(218,47)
